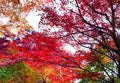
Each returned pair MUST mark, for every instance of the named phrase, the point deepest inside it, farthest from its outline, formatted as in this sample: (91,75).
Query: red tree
(92,24)
(39,51)
(36,49)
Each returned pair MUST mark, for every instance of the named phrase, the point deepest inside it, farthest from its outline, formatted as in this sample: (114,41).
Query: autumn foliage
(28,56)
(90,27)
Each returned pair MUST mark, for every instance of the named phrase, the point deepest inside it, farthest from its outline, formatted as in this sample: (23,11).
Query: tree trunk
(119,67)
(44,81)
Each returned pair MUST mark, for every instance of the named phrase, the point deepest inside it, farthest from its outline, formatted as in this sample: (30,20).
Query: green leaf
(84,81)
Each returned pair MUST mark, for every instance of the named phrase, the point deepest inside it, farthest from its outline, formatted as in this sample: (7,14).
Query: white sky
(33,19)
(70,48)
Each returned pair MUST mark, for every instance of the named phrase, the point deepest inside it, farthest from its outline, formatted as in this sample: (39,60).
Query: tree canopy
(90,27)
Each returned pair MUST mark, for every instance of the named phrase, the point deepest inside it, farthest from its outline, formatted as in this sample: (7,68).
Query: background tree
(17,46)
(13,23)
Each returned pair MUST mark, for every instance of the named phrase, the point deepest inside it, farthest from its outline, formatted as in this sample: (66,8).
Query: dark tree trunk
(44,81)
(119,67)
